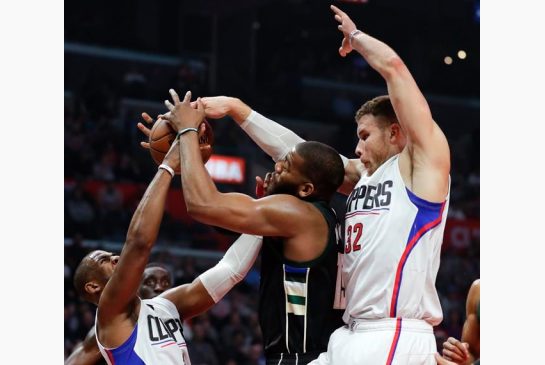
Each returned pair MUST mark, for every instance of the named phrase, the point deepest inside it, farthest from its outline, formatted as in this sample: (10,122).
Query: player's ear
(395,130)
(306,189)
(92,287)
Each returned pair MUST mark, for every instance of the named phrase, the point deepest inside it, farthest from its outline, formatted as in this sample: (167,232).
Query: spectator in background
(80,212)
(255,353)
(127,169)
(202,352)
(235,348)
(112,215)
(104,168)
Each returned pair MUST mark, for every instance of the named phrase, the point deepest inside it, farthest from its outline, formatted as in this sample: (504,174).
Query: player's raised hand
(145,129)
(182,115)
(216,107)
(346,25)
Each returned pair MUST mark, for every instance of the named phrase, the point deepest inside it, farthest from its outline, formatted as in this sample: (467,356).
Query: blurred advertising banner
(460,234)
(226,169)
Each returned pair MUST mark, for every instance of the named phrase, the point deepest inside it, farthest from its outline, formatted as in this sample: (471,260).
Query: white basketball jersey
(156,339)
(391,249)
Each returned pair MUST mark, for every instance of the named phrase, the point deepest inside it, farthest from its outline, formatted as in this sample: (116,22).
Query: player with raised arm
(396,210)
(131,330)
(299,254)
(155,280)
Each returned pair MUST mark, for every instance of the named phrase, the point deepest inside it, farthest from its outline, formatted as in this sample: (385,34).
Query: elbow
(139,238)
(393,67)
(197,210)
(203,206)
(139,242)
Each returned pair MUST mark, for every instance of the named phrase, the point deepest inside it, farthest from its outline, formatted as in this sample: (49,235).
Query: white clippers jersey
(156,339)
(392,246)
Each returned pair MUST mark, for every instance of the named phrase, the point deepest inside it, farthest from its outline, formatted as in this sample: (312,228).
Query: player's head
(155,280)
(379,133)
(310,171)
(92,274)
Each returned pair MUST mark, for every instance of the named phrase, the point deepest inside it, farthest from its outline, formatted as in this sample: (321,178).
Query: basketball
(162,135)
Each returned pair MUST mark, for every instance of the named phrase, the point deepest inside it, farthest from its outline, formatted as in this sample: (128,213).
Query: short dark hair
(157,264)
(161,266)
(85,272)
(381,106)
(323,166)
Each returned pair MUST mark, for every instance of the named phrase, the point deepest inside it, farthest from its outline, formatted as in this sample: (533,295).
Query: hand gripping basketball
(161,136)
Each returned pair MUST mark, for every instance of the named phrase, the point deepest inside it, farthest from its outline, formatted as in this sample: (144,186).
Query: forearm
(238,110)
(146,220)
(198,188)
(233,267)
(378,54)
(274,139)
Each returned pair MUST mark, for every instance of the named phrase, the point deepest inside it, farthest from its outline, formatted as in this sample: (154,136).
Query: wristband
(352,35)
(167,168)
(186,130)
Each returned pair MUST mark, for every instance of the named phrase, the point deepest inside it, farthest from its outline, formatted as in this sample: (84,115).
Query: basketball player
(156,280)
(398,200)
(299,254)
(149,331)
(469,348)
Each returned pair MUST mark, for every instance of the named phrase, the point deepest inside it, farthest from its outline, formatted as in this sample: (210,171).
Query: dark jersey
(296,299)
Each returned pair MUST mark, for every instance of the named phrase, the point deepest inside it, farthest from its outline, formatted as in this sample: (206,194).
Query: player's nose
(159,288)
(115,259)
(359,149)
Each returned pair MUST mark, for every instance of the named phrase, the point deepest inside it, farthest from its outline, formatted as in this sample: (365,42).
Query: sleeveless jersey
(296,299)
(392,246)
(157,338)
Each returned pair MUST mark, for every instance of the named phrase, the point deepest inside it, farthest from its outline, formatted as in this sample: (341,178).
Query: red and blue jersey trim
(124,354)
(429,215)
(393,347)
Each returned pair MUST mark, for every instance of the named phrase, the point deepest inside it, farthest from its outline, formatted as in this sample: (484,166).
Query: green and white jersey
(296,299)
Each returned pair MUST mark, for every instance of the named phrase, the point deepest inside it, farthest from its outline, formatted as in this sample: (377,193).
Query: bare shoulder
(475,289)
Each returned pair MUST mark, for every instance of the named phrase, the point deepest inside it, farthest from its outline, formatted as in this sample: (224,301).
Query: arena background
(281,58)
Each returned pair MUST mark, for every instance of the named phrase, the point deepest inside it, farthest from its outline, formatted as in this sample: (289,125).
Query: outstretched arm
(278,215)
(118,302)
(427,146)
(87,352)
(212,285)
(273,138)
